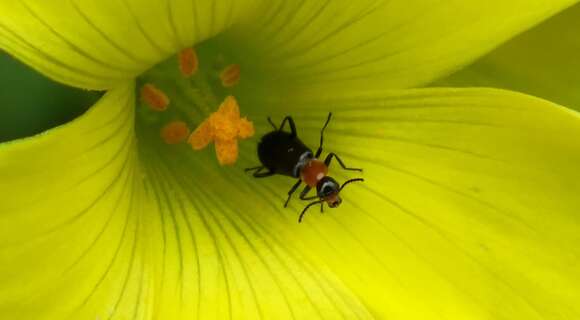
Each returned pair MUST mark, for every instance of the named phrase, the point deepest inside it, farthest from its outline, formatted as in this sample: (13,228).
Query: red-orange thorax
(313,172)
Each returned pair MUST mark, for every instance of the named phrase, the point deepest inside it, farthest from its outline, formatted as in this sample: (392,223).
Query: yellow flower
(469,209)
(542,62)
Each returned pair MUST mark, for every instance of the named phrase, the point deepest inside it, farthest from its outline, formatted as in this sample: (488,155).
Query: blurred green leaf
(32,103)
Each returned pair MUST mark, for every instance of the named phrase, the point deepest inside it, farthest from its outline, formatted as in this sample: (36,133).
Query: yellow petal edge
(96,44)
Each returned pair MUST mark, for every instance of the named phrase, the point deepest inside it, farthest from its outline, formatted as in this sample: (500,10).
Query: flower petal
(96,44)
(96,224)
(469,208)
(542,62)
(67,226)
(378,44)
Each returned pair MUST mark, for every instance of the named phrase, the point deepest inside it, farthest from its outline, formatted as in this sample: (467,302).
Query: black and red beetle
(282,152)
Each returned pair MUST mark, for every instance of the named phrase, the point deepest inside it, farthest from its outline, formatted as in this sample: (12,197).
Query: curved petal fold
(67,222)
(379,44)
(542,62)
(95,44)
(331,43)
(469,208)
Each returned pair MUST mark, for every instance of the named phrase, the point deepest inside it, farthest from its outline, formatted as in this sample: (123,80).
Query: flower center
(193,92)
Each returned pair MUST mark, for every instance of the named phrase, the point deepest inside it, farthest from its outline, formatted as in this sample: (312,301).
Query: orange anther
(245,128)
(230,76)
(230,108)
(154,98)
(224,121)
(224,127)
(226,151)
(202,136)
(188,62)
(174,132)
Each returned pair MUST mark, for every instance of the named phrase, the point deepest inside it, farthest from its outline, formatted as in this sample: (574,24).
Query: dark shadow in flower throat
(32,103)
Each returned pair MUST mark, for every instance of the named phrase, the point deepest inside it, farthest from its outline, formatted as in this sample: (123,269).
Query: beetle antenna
(272,123)
(349,181)
(308,206)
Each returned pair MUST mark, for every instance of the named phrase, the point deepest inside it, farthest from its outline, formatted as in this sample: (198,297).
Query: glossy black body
(283,153)
(280,152)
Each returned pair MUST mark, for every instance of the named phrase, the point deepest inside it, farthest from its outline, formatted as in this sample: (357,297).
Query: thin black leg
(294,187)
(259,174)
(322,207)
(291,123)
(272,124)
(319,151)
(264,175)
(253,168)
(305,192)
(329,158)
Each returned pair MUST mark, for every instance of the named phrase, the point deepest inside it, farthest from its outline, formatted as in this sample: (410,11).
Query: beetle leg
(329,158)
(294,187)
(260,174)
(253,168)
(319,151)
(304,192)
(291,123)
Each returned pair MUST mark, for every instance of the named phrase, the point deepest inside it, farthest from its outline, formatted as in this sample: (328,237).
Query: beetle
(283,153)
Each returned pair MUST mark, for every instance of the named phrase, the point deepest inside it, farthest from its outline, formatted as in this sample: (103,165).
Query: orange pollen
(245,128)
(188,62)
(201,137)
(156,99)
(230,76)
(226,151)
(174,132)
(223,127)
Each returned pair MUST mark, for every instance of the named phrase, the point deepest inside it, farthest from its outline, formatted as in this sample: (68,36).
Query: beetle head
(328,190)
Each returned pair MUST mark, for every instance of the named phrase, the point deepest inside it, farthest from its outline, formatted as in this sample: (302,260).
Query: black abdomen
(279,151)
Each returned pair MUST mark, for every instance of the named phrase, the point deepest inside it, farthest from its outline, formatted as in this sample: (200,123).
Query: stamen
(188,62)
(226,151)
(202,136)
(245,128)
(225,121)
(223,127)
(230,76)
(174,132)
(195,91)
(156,99)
